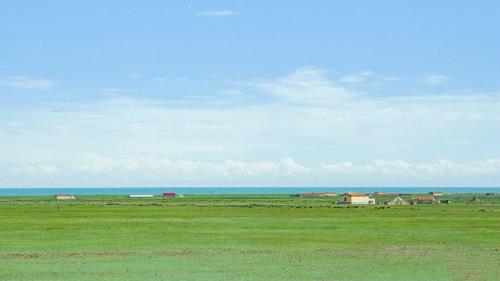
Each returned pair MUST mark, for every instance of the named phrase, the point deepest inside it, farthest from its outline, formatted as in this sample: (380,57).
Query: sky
(249,93)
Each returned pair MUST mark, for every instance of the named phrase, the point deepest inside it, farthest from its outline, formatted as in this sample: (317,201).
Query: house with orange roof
(358,198)
(65,196)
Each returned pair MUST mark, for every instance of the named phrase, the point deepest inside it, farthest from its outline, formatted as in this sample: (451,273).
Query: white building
(358,198)
(397,201)
(141,196)
(65,197)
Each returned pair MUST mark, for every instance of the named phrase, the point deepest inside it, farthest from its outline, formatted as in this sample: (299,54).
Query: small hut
(357,198)
(318,194)
(475,199)
(423,199)
(65,197)
(169,194)
(436,193)
(141,196)
(397,201)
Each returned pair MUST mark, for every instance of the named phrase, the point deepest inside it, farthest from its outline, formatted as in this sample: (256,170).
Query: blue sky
(249,93)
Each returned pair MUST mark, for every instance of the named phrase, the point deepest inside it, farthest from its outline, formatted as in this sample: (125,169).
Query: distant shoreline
(235,190)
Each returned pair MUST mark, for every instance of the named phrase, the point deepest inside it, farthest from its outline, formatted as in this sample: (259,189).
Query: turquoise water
(230,190)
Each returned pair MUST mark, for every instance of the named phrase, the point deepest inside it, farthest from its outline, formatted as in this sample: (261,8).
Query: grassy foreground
(245,238)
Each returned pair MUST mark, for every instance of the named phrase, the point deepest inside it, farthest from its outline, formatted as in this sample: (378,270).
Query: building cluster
(164,194)
(434,197)
(370,199)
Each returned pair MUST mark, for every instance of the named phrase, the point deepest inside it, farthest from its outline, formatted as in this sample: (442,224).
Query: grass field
(246,238)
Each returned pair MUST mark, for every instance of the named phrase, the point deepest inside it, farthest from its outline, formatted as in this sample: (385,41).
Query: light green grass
(244,238)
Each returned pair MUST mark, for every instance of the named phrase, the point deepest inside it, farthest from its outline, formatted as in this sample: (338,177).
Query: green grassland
(253,237)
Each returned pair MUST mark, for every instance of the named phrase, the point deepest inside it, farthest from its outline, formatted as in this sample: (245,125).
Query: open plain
(253,237)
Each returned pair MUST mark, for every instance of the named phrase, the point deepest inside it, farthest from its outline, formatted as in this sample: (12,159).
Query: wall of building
(360,200)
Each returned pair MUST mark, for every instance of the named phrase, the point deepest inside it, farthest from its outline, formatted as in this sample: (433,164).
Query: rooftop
(356,194)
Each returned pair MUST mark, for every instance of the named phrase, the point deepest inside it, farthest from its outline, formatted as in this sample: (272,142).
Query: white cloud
(35,170)
(149,171)
(27,82)
(434,80)
(95,163)
(304,115)
(113,91)
(437,168)
(217,13)
(357,77)
(304,85)
(367,78)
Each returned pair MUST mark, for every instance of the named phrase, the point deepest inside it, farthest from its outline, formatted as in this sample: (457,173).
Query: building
(436,193)
(423,199)
(383,194)
(475,199)
(65,196)
(357,198)
(140,196)
(318,194)
(396,201)
(169,194)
